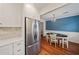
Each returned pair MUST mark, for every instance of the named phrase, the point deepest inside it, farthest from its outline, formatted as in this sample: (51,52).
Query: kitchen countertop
(10,36)
(10,40)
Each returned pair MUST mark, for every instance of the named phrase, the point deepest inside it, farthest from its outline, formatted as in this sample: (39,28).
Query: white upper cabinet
(67,11)
(11,15)
(63,11)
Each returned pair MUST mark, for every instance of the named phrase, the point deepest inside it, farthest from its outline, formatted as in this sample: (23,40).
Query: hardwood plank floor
(47,49)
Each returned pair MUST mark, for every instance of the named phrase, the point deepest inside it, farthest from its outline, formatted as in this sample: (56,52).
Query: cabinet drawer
(19,47)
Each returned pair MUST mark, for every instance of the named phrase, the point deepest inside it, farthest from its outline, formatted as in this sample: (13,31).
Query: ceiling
(40,6)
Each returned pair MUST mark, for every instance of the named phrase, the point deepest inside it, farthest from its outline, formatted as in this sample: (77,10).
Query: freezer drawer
(33,49)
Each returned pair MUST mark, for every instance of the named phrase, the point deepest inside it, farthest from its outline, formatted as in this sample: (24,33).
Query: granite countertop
(9,35)
(9,41)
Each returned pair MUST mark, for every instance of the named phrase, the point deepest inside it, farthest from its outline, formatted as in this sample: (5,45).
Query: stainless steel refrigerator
(32,36)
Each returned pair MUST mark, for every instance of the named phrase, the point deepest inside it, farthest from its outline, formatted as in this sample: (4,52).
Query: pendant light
(52,17)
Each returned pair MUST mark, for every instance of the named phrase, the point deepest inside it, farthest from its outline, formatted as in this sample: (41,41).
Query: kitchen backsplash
(10,28)
(10,32)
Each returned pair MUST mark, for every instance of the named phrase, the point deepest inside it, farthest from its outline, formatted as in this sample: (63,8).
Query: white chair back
(53,36)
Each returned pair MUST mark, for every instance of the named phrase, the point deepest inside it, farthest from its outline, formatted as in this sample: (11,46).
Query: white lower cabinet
(6,49)
(19,48)
(15,48)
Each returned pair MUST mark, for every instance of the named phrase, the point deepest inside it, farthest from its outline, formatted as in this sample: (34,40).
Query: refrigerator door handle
(33,31)
(37,31)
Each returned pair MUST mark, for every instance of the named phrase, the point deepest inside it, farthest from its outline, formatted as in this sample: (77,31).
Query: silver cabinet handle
(19,50)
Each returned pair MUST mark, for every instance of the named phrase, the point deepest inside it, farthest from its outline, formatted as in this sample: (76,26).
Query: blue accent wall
(70,24)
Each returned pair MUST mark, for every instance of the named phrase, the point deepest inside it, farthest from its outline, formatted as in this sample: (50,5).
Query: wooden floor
(46,49)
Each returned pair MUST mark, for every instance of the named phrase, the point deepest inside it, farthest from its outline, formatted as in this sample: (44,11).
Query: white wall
(31,11)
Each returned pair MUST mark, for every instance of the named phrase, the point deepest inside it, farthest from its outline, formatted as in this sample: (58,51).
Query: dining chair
(47,37)
(53,39)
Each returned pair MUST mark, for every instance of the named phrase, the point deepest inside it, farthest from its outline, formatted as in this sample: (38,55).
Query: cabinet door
(10,15)
(6,50)
(19,48)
